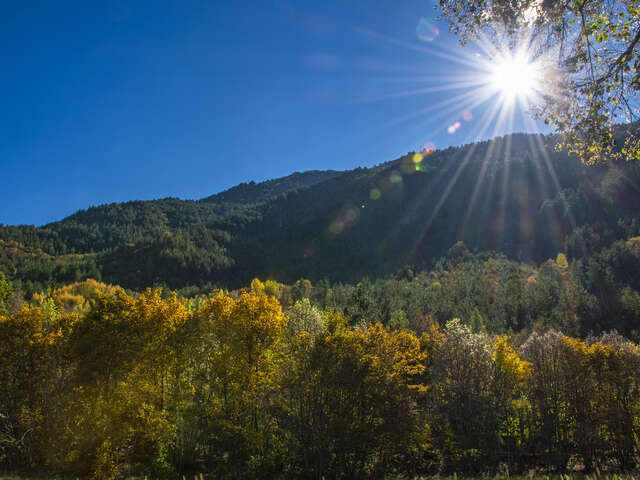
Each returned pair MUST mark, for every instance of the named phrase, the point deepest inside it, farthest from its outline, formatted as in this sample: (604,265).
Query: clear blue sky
(123,100)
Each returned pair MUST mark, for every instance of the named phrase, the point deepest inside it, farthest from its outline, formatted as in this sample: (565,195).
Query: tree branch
(619,62)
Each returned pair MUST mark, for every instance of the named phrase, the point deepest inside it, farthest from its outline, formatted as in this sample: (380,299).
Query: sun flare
(515,77)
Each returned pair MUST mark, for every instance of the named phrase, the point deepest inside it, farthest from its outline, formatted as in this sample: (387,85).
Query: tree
(561,261)
(33,380)
(239,363)
(301,289)
(550,427)
(304,317)
(463,396)
(590,53)
(6,294)
(349,402)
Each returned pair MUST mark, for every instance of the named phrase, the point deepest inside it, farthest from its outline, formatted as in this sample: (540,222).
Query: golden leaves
(508,362)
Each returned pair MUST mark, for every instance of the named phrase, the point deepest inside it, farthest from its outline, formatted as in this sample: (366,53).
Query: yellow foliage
(257,286)
(272,288)
(250,322)
(508,362)
(561,261)
(335,321)
(396,349)
(634,245)
(118,377)
(432,341)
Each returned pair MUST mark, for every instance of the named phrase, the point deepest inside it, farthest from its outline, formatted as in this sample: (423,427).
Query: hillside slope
(513,195)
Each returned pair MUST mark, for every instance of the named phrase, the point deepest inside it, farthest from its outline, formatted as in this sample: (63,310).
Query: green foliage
(550,203)
(120,385)
(304,317)
(6,294)
(495,295)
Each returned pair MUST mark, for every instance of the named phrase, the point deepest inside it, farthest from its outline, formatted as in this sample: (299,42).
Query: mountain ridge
(514,195)
(257,192)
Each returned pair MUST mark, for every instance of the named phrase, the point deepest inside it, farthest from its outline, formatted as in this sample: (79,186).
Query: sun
(515,77)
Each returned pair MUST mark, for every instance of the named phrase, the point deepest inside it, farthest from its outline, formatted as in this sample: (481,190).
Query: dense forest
(100,383)
(470,310)
(514,195)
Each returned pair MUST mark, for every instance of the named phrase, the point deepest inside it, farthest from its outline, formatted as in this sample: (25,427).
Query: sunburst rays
(501,78)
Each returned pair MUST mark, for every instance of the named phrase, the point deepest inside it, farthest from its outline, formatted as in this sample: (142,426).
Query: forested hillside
(468,310)
(514,195)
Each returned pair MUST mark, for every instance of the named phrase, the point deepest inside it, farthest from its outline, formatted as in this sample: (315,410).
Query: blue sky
(123,100)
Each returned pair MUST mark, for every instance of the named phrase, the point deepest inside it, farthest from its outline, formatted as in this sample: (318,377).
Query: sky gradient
(121,100)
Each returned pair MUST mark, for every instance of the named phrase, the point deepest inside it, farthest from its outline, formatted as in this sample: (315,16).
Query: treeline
(581,296)
(252,192)
(491,294)
(97,382)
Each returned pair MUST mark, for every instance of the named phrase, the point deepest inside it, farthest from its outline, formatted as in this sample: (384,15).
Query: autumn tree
(6,294)
(551,436)
(239,364)
(117,416)
(304,317)
(474,381)
(350,403)
(100,383)
(34,374)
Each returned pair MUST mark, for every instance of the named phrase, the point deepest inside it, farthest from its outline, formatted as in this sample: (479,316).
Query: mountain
(108,226)
(515,195)
(248,193)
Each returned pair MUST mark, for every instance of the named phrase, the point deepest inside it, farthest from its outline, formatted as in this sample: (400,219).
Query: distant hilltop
(253,192)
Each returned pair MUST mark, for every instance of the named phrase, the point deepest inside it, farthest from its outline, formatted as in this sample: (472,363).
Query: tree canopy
(589,50)
(99,383)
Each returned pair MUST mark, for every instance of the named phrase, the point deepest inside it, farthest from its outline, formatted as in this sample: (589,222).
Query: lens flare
(426,31)
(395,177)
(489,90)
(515,77)
(345,219)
